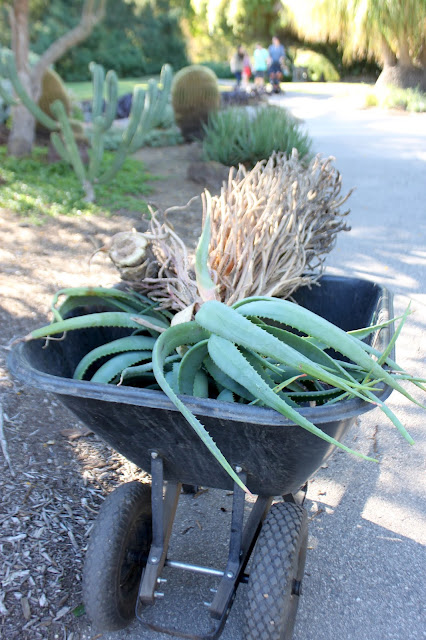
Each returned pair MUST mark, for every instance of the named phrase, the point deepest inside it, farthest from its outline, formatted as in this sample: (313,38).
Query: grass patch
(35,188)
(235,135)
(84,90)
(412,100)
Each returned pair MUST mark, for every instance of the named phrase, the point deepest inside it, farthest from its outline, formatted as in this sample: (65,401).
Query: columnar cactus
(195,93)
(147,108)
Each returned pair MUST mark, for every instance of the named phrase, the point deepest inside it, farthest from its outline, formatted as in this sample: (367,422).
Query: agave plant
(234,350)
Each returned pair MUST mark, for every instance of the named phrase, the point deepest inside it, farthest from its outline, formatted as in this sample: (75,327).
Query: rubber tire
(190,488)
(278,560)
(124,524)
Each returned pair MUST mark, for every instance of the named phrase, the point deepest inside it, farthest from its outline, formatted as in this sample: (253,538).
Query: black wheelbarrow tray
(129,542)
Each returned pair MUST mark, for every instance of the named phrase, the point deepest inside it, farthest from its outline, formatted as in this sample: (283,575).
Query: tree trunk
(400,72)
(22,135)
(389,58)
(402,77)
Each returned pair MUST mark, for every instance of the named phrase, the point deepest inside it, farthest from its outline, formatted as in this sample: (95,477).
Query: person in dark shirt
(276,53)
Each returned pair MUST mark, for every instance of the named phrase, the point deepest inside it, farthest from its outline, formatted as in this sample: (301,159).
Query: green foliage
(133,39)
(363,28)
(393,98)
(237,135)
(319,68)
(195,95)
(220,69)
(156,138)
(233,349)
(34,188)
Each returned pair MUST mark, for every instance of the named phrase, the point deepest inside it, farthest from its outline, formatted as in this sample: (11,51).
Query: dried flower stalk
(273,226)
(271,229)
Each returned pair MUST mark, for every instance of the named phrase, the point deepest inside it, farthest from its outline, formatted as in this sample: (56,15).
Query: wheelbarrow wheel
(276,574)
(116,555)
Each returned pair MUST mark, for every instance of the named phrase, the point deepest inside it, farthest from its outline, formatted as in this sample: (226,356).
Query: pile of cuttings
(218,331)
(232,354)
(271,229)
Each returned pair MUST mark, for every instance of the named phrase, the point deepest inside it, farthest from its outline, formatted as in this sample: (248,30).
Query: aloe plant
(234,350)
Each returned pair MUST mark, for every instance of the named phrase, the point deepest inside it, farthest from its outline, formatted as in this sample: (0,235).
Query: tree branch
(90,17)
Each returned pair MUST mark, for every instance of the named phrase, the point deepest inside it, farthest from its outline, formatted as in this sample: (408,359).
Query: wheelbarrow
(128,547)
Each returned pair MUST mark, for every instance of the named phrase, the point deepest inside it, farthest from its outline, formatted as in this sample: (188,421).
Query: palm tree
(393,32)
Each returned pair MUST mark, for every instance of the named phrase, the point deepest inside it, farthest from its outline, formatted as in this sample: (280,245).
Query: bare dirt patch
(53,474)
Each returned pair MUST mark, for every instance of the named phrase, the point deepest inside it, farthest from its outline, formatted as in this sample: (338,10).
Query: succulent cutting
(261,350)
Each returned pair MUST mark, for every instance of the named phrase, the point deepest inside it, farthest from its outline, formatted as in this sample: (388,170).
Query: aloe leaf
(205,284)
(95,292)
(392,341)
(171,378)
(201,385)
(257,366)
(143,369)
(104,319)
(234,364)
(130,343)
(109,370)
(392,364)
(74,302)
(245,301)
(366,331)
(226,396)
(308,322)
(392,417)
(307,349)
(225,381)
(191,363)
(229,324)
(337,399)
(176,336)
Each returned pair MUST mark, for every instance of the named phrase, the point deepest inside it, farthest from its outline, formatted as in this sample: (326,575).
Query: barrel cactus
(52,88)
(195,93)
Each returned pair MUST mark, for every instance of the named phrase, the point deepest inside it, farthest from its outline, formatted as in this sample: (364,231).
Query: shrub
(167,137)
(221,69)
(134,39)
(371,100)
(245,136)
(394,98)
(319,68)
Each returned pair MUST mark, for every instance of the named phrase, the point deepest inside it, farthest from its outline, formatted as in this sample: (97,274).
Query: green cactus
(195,93)
(147,109)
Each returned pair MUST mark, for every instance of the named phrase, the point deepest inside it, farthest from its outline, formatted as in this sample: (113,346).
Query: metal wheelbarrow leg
(241,544)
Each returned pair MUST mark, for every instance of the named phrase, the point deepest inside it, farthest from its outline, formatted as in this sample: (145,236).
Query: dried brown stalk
(271,229)
(273,226)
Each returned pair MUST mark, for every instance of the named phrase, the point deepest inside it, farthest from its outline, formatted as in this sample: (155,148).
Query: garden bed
(58,474)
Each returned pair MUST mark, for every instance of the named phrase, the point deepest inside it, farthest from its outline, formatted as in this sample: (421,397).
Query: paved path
(365,571)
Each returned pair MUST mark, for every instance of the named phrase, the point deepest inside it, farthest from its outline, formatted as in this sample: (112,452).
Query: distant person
(237,65)
(246,70)
(260,64)
(276,53)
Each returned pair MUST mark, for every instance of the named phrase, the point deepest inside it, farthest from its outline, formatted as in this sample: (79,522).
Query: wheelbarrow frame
(284,458)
